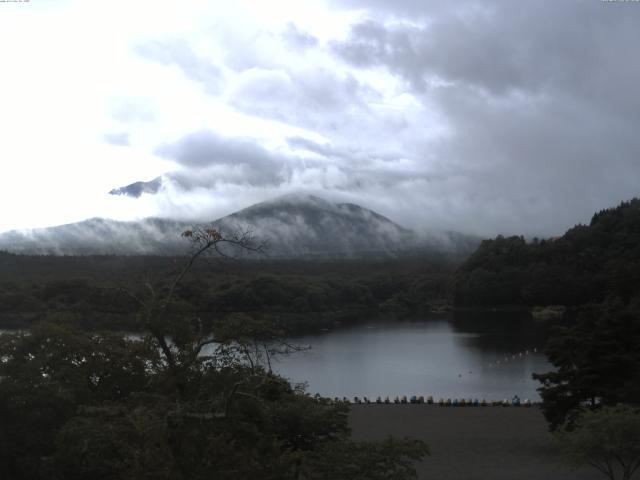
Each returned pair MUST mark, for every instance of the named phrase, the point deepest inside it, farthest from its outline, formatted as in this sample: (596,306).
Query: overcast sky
(478,116)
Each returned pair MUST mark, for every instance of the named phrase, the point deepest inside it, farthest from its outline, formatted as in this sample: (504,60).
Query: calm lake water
(485,355)
(462,355)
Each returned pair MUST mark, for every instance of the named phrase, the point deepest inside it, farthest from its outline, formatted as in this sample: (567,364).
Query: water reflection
(467,354)
(490,355)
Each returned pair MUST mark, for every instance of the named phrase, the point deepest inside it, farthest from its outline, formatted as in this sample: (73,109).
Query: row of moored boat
(449,402)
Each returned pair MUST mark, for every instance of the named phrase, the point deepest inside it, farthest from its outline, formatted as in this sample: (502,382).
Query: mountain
(303,225)
(138,188)
(291,225)
(99,236)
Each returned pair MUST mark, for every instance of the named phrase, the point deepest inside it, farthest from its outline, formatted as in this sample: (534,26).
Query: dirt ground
(471,443)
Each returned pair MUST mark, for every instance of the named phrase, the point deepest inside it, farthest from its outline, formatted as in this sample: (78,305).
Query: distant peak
(136,189)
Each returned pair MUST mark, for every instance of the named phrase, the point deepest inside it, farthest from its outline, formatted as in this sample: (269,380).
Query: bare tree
(155,302)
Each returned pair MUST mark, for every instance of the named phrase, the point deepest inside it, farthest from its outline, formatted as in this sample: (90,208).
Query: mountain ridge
(294,225)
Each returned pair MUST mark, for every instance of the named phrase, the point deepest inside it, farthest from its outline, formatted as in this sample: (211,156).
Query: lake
(465,355)
(460,355)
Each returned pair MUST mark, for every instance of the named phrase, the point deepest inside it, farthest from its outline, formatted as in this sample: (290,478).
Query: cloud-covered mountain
(99,236)
(291,225)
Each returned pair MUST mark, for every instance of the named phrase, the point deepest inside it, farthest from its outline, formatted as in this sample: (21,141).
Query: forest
(302,295)
(79,398)
(587,264)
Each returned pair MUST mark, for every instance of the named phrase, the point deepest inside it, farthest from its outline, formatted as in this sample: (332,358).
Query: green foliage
(597,362)
(47,373)
(607,439)
(75,405)
(305,295)
(588,263)
(186,400)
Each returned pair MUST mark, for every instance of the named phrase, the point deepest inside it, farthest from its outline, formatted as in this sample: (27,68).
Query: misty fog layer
(289,226)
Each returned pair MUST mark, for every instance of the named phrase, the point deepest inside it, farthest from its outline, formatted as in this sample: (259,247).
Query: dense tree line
(304,295)
(586,264)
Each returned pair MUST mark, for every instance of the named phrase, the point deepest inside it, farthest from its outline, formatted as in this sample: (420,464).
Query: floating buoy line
(512,358)
(448,402)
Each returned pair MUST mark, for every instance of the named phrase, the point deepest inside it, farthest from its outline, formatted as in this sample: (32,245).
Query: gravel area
(471,443)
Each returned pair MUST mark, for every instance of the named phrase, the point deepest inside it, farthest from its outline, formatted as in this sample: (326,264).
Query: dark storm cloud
(121,139)
(504,46)
(178,52)
(541,99)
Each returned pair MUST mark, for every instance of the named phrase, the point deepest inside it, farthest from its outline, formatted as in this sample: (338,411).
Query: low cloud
(502,117)
(207,158)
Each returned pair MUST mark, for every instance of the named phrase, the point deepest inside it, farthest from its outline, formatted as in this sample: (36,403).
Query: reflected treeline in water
(476,354)
(501,331)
